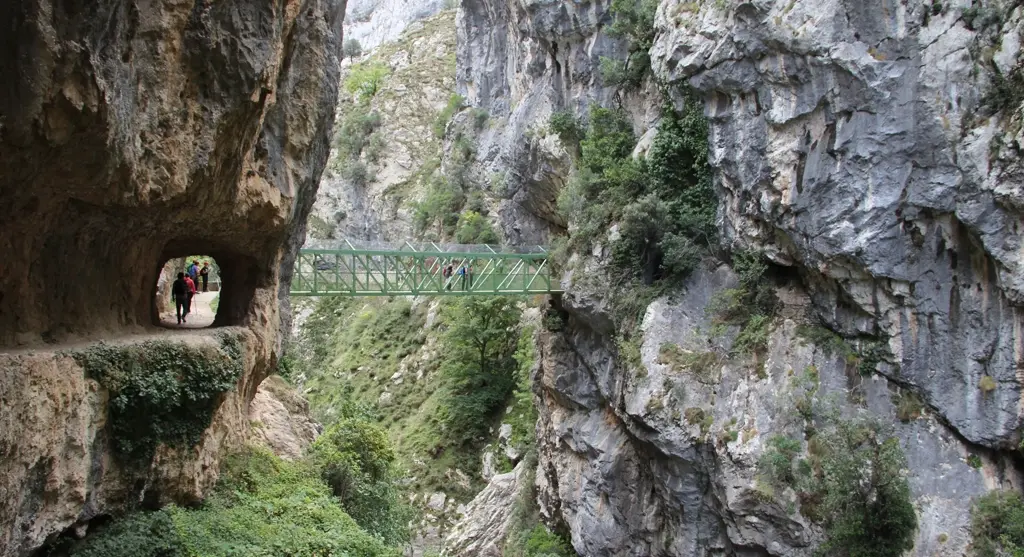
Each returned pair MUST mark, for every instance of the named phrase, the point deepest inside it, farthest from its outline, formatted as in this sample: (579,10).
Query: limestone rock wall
(856,145)
(132,133)
(376,22)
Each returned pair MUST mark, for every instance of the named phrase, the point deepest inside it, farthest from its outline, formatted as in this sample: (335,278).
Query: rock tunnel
(133,132)
(139,131)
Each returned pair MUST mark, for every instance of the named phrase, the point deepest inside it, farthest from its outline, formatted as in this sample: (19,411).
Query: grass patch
(262,507)
(908,406)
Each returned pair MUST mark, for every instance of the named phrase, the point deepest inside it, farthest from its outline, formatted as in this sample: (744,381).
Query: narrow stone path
(201,315)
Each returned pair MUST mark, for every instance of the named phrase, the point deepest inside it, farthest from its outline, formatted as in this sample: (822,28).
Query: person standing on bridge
(204,274)
(462,276)
(179,291)
(448,276)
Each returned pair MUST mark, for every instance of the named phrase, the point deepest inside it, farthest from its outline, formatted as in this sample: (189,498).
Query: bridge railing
(379,269)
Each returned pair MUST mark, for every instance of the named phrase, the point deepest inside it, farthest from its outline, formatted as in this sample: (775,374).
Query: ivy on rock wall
(162,392)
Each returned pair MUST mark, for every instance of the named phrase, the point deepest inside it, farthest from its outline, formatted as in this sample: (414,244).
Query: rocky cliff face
(132,133)
(868,150)
(376,22)
(420,78)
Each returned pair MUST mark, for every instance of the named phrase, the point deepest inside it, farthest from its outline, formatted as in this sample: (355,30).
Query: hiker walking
(190,285)
(448,276)
(204,274)
(179,291)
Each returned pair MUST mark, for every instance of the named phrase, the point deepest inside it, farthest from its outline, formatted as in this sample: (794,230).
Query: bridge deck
(407,269)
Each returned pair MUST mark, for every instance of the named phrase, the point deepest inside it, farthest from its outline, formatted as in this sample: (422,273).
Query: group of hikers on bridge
(184,288)
(465,276)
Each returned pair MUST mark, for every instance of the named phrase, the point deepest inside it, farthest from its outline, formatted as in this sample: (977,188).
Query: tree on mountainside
(479,367)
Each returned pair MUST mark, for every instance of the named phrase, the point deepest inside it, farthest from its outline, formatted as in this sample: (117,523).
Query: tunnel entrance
(194,311)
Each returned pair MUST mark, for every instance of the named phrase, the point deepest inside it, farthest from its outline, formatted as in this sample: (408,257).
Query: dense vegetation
(664,203)
(352,355)
(162,392)
(262,507)
(479,344)
(633,22)
(997,524)
(852,483)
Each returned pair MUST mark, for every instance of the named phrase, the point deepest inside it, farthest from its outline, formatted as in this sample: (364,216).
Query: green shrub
(633,21)
(777,463)
(479,118)
(356,173)
(440,208)
(908,406)
(1007,91)
(455,104)
(664,204)
(473,228)
(997,524)
(566,125)
(865,499)
(162,392)
(522,415)
(263,507)
(542,542)
(356,460)
(365,79)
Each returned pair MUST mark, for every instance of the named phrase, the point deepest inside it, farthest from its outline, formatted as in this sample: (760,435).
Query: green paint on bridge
(355,268)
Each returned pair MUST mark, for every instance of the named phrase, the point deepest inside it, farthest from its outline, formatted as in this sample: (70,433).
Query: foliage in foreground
(162,392)
(263,507)
(997,524)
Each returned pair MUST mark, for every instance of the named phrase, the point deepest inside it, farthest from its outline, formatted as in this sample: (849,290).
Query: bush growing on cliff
(262,507)
(633,21)
(455,104)
(664,204)
(439,210)
(997,524)
(566,125)
(474,228)
(853,484)
(365,79)
(162,392)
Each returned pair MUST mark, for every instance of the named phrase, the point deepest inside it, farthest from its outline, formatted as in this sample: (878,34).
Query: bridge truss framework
(353,268)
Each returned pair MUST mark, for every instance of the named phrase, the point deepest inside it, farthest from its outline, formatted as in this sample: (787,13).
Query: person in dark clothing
(179,291)
(204,274)
(448,276)
(462,276)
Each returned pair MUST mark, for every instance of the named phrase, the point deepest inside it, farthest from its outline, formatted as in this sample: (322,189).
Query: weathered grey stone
(485,521)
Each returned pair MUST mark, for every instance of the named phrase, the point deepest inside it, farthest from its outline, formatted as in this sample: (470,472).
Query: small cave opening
(214,289)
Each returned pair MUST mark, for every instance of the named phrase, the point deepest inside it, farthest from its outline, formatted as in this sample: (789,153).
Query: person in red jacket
(191,287)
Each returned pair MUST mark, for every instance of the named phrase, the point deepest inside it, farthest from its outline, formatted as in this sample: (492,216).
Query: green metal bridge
(357,268)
